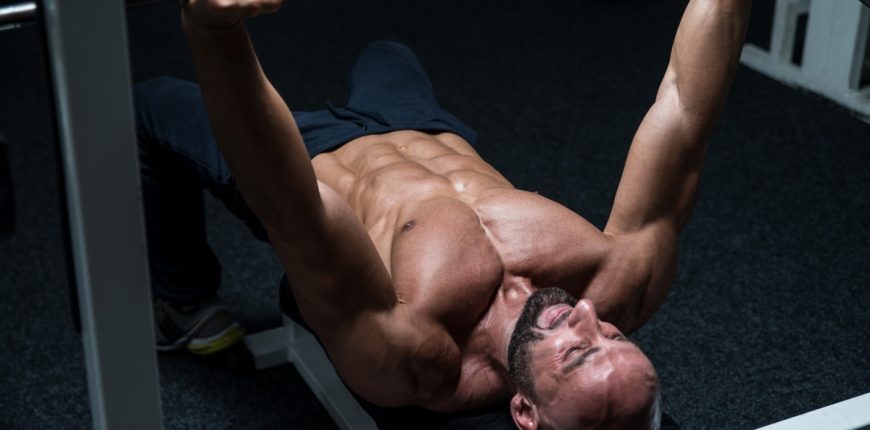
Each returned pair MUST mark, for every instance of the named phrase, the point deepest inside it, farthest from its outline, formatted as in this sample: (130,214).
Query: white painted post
(94,100)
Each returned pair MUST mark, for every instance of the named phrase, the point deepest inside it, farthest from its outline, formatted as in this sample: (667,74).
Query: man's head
(573,371)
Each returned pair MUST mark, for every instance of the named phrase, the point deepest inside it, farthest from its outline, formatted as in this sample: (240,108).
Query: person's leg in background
(388,73)
(178,159)
(389,83)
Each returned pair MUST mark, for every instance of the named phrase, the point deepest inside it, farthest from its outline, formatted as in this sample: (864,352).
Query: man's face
(586,373)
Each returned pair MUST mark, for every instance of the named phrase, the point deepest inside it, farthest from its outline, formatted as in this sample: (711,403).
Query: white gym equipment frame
(852,414)
(834,49)
(87,51)
(294,344)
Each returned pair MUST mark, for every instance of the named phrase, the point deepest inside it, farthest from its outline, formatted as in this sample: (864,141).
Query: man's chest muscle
(445,266)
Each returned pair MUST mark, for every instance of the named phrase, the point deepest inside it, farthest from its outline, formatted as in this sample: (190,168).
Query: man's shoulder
(479,381)
(402,359)
(434,371)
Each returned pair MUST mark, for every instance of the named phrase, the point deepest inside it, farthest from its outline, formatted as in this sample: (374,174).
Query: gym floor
(767,318)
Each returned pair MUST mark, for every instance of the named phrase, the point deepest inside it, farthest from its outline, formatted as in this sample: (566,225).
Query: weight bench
(296,343)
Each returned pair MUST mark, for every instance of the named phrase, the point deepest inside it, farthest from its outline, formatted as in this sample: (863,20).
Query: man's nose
(583,316)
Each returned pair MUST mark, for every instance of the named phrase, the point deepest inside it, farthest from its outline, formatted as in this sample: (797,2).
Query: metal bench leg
(313,364)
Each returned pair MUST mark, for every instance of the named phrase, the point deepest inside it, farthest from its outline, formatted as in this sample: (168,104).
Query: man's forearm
(661,173)
(705,54)
(659,184)
(254,128)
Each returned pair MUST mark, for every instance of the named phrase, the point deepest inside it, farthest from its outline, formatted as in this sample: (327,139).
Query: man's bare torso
(463,246)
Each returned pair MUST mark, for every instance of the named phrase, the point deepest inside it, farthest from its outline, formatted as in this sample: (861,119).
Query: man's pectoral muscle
(382,349)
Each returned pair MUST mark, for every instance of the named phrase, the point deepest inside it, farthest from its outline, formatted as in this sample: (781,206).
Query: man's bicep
(396,358)
(333,267)
(660,179)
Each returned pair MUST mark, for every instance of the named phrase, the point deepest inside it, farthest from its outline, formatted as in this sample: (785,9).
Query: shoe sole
(219,342)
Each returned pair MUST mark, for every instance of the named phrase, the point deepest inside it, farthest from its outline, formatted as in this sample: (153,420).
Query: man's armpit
(393,362)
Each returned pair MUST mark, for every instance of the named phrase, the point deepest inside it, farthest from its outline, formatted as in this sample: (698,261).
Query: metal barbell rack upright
(90,72)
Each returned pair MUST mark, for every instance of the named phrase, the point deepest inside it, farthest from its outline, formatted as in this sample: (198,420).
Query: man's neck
(499,324)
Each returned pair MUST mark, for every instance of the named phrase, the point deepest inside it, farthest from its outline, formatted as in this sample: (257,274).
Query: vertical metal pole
(93,98)
(836,33)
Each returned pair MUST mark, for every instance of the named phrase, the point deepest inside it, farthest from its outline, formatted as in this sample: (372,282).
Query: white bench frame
(294,344)
(852,414)
(833,52)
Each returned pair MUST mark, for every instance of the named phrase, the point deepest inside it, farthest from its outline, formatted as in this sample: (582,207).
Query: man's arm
(342,287)
(660,180)
(260,142)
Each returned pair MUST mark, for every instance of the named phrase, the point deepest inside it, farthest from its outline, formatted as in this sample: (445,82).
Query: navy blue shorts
(389,91)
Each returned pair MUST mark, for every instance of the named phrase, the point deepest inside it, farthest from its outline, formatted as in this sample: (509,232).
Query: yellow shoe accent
(230,338)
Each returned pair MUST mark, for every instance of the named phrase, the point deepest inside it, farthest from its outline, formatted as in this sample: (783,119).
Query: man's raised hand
(223,14)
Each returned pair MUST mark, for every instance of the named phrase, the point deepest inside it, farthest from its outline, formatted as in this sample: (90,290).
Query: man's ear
(524,412)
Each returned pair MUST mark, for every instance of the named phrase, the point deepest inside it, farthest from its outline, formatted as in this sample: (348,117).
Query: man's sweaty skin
(412,258)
